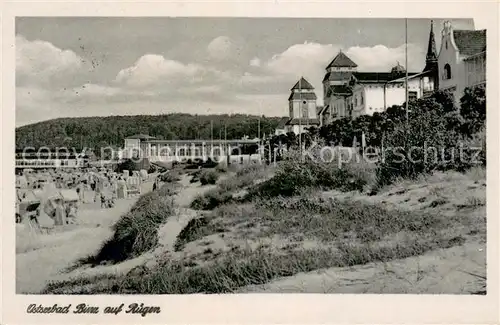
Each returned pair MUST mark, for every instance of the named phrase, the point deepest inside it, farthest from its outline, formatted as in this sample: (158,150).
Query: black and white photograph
(216,155)
(256,163)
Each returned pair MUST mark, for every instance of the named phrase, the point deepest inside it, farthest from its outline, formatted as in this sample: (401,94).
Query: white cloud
(255,62)
(152,69)
(310,60)
(39,62)
(221,48)
(302,59)
(380,58)
(98,90)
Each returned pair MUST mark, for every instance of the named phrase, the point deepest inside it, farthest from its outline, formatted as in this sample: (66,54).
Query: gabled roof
(141,137)
(302,84)
(300,96)
(337,76)
(282,122)
(470,42)
(342,61)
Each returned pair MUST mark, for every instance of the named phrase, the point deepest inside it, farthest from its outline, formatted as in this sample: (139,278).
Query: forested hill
(96,132)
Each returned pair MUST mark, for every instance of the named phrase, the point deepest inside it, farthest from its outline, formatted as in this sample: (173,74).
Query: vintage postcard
(256,162)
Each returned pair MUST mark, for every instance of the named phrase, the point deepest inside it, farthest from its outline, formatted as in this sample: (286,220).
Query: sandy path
(445,271)
(42,258)
(167,235)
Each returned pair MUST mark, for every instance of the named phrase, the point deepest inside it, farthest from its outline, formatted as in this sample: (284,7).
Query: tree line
(435,121)
(98,132)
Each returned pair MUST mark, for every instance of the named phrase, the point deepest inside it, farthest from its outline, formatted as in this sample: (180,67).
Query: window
(446,45)
(355,100)
(305,109)
(361,98)
(412,95)
(447,72)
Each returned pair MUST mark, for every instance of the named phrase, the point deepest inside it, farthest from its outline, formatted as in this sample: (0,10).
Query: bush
(248,169)
(432,141)
(208,177)
(211,199)
(473,108)
(221,168)
(294,176)
(169,177)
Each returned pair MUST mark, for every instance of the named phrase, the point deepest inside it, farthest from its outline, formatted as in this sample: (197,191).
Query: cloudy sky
(120,66)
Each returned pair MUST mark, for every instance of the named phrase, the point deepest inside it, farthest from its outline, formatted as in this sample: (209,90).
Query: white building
(351,93)
(364,93)
(462,59)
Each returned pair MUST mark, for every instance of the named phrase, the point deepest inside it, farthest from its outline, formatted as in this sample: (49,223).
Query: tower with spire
(302,106)
(338,72)
(431,58)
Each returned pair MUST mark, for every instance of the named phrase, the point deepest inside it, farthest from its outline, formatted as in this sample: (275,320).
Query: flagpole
(259,129)
(258,135)
(211,136)
(225,143)
(406,86)
(406,68)
(300,115)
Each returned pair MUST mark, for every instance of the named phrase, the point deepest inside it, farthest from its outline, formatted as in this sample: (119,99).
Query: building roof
(140,137)
(342,61)
(303,121)
(302,84)
(398,68)
(378,77)
(471,57)
(339,90)
(337,76)
(283,122)
(300,96)
(323,109)
(470,42)
(202,141)
(411,76)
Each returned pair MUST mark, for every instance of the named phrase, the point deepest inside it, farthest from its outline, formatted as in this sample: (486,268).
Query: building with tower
(347,92)
(350,93)
(302,107)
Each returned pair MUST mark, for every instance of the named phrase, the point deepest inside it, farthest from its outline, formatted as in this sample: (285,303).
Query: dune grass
(136,232)
(208,177)
(241,268)
(353,233)
(347,233)
(245,176)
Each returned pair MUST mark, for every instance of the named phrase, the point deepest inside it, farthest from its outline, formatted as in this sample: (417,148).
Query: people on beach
(103,200)
(72,213)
